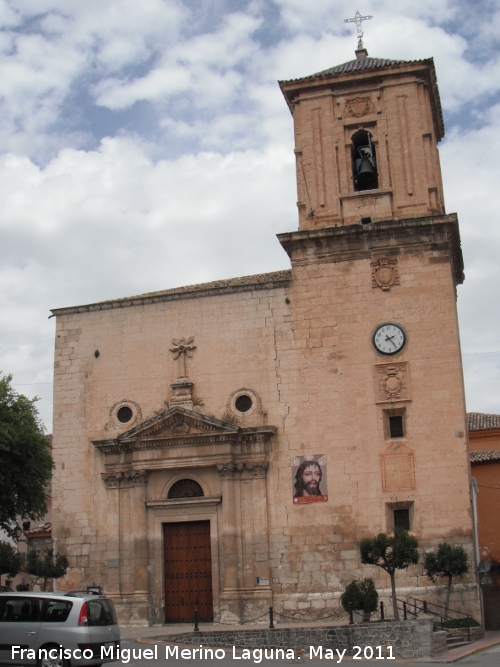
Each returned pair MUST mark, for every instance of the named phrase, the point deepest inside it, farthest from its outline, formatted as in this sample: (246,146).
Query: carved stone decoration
(113,420)
(182,393)
(180,428)
(136,477)
(398,468)
(256,403)
(111,479)
(385,273)
(392,382)
(358,107)
(233,470)
(181,349)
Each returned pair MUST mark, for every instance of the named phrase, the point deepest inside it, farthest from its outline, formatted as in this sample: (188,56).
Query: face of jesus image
(307,479)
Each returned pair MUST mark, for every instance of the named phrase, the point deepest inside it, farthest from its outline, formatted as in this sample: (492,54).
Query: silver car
(56,630)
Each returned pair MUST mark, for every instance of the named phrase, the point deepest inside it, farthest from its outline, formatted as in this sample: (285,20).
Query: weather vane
(358,19)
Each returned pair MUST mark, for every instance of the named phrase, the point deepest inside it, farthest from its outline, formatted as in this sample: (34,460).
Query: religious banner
(309,479)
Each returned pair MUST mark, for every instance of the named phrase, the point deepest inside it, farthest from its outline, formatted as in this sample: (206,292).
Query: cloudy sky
(146,145)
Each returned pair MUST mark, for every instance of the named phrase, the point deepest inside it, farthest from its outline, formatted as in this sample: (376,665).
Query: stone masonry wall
(411,639)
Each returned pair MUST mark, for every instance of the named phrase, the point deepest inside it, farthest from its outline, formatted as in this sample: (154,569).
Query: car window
(20,609)
(56,611)
(101,612)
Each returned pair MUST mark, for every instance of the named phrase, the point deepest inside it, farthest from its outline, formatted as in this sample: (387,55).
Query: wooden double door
(188,571)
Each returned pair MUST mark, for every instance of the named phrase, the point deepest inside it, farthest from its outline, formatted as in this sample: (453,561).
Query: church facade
(225,446)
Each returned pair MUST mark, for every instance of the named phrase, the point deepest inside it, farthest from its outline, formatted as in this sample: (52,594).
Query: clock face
(389,338)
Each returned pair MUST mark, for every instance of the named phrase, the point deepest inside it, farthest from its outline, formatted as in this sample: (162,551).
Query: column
(112,481)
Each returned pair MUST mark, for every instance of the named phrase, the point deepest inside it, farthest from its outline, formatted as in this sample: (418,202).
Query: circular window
(124,414)
(243,403)
(185,488)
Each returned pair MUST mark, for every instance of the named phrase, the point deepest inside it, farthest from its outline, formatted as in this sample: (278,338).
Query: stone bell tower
(366,135)
(373,376)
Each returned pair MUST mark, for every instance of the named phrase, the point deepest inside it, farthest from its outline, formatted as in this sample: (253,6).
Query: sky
(146,145)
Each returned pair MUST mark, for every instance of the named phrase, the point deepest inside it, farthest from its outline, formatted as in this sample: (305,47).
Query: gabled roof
(479,421)
(260,281)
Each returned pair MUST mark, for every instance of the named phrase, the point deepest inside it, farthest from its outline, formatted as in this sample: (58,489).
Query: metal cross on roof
(358,20)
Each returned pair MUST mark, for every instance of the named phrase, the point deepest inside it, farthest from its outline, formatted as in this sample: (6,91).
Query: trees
(391,554)
(25,459)
(450,560)
(10,560)
(46,567)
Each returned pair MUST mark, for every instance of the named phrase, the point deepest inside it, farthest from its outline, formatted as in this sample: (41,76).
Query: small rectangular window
(396,427)
(402,519)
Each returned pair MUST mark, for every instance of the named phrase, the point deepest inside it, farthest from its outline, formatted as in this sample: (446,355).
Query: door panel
(188,571)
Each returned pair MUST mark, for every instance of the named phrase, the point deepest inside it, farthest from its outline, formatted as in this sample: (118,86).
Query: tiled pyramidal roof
(352,66)
(479,421)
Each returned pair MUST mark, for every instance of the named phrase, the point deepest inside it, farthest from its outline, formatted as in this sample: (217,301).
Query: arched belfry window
(364,161)
(185,488)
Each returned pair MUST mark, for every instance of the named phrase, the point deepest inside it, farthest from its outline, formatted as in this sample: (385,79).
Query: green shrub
(453,623)
(22,587)
(360,595)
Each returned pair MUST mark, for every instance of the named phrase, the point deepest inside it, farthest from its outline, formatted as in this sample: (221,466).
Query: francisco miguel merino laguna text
(113,653)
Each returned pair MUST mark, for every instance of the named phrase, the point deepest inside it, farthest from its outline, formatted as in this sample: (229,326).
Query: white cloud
(83,225)
(109,223)
(201,66)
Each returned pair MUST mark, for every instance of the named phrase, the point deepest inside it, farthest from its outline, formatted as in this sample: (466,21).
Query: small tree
(391,554)
(10,560)
(46,567)
(360,595)
(448,561)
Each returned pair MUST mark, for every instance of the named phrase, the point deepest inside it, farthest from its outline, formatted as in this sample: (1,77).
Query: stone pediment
(178,421)
(180,426)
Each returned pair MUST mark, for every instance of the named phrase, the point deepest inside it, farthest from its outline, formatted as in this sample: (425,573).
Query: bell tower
(371,371)
(366,135)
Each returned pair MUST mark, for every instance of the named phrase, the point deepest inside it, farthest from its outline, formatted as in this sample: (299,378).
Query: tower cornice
(438,234)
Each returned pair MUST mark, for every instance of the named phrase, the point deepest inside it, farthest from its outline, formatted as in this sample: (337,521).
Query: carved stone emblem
(392,382)
(359,106)
(385,273)
(180,428)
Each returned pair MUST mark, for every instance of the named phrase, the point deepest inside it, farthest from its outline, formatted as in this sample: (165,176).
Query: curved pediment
(179,426)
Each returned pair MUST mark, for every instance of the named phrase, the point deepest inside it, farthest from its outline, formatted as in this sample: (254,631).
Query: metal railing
(414,607)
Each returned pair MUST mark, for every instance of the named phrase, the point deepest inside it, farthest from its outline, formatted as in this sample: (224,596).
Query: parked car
(5,589)
(56,630)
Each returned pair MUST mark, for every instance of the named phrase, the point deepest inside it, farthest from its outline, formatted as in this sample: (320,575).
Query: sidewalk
(490,639)
(148,634)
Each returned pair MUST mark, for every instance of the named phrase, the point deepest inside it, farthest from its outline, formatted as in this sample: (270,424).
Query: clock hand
(390,338)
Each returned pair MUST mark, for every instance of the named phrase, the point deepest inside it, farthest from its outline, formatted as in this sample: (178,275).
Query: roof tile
(484,457)
(479,421)
(352,66)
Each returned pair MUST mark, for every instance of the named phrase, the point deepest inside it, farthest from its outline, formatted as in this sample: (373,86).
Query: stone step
(456,642)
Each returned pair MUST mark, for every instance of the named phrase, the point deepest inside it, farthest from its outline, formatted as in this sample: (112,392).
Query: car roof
(56,595)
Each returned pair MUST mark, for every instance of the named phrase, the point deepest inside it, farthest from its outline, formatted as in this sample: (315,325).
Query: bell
(366,175)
